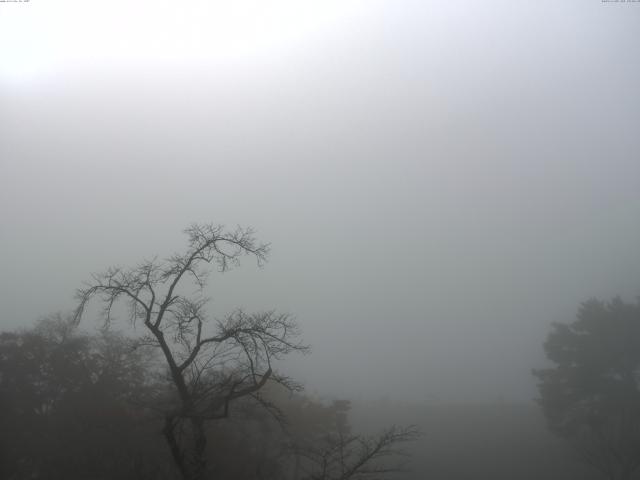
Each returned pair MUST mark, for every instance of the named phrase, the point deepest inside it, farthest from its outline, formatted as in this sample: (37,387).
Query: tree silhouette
(69,406)
(211,364)
(214,365)
(591,395)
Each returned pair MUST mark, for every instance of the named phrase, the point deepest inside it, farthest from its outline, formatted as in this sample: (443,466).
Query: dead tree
(210,364)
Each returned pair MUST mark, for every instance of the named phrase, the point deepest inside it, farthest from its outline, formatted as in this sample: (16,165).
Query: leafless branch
(211,364)
(346,456)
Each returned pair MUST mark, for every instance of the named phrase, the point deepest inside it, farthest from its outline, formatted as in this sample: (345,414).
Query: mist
(438,182)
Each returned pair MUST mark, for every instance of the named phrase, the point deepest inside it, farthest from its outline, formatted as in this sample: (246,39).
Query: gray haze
(439,180)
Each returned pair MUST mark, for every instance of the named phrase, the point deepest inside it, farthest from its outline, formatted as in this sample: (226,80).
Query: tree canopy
(591,394)
(73,405)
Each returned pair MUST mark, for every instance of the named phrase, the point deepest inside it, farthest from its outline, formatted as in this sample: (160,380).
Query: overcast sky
(439,180)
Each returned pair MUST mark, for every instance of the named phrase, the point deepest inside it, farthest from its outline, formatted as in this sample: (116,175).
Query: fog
(439,181)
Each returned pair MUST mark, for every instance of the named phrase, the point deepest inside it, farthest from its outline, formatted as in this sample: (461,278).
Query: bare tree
(346,456)
(210,364)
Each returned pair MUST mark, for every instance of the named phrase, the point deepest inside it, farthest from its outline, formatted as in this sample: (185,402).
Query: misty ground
(477,441)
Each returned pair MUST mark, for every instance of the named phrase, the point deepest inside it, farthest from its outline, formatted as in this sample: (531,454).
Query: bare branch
(355,456)
(210,365)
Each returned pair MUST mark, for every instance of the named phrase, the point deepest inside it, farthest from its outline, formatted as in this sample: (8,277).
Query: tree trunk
(189,454)
(199,459)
